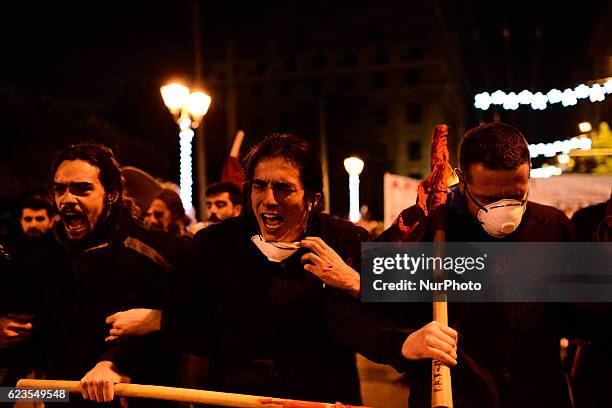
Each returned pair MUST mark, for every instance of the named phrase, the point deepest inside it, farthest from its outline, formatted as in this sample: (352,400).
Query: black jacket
(263,323)
(124,266)
(508,352)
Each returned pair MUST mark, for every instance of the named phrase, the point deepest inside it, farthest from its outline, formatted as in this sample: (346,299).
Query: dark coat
(508,352)
(124,266)
(262,323)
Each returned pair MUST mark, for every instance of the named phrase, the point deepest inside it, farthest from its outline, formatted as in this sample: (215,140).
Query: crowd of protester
(263,296)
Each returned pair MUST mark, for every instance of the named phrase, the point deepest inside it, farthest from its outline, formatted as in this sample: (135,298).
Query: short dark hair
(173,202)
(97,155)
(497,146)
(219,187)
(36,202)
(294,150)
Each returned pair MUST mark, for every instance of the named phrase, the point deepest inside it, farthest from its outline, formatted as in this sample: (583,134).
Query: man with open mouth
(101,261)
(254,295)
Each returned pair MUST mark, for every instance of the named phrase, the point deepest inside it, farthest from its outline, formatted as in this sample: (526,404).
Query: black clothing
(263,322)
(593,365)
(78,286)
(587,220)
(17,299)
(508,352)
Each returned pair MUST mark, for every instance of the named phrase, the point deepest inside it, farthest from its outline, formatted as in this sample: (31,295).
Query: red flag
(410,225)
(232,171)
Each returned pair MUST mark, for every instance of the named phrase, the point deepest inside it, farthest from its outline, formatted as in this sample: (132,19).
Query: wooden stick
(223,399)
(235,152)
(441,390)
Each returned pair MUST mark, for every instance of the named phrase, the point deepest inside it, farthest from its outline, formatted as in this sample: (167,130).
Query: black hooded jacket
(122,266)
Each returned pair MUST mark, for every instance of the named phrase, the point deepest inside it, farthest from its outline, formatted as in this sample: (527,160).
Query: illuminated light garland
(186,175)
(540,101)
(354,214)
(545,172)
(559,146)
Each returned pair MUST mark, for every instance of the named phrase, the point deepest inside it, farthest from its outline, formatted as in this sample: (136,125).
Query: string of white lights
(354,214)
(186,178)
(540,101)
(559,146)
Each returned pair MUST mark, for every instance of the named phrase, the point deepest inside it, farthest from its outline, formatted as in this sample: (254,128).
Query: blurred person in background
(36,217)
(166,213)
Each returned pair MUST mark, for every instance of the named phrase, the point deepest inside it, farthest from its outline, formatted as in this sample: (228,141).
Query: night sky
(94,70)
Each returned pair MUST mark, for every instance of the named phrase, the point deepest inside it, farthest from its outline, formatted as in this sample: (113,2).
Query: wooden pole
(441,391)
(222,399)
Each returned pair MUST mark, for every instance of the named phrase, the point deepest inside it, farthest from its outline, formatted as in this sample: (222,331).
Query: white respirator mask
(275,251)
(502,217)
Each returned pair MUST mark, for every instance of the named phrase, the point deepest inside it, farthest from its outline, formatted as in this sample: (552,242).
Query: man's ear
(314,202)
(113,197)
(237,209)
(461,176)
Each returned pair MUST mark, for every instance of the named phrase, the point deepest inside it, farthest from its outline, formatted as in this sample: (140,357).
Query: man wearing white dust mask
(492,363)
(493,188)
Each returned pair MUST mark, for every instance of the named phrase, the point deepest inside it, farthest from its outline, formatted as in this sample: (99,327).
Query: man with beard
(166,213)
(36,216)
(35,219)
(102,261)
(223,201)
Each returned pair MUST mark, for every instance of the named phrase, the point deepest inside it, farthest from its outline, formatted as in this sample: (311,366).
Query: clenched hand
(325,263)
(99,383)
(134,322)
(435,341)
(14,329)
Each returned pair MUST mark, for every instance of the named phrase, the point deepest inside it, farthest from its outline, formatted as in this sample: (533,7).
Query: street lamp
(188,109)
(354,167)
(584,127)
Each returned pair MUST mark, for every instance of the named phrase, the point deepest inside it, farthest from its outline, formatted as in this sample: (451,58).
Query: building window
(380,57)
(315,86)
(346,83)
(319,62)
(412,77)
(379,81)
(413,54)
(381,115)
(256,91)
(414,113)
(285,122)
(414,151)
(261,68)
(350,59)
(257,125)
(290,64)
(415,175)
(285,88)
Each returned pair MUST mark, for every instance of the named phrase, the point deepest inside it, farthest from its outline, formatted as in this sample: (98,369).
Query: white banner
(568,192)
(399,192)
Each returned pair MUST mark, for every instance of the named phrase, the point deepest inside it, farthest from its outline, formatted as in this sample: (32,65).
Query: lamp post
(585,127)
(188,109)
(354,167)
